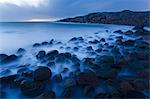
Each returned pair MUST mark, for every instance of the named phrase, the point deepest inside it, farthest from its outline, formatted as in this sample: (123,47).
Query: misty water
(14,35)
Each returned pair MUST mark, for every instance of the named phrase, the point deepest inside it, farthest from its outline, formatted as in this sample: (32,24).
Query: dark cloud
(68,8)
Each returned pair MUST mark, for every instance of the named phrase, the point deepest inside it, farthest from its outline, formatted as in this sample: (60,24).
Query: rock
(21,51)
(52,53)
(118,31)
(144,73)
(58,78)
(129,32)
(51,64)
(88,90)
(119,41)
(138,27)
(105,59)
(119,37)
(3,56)
(21,70)
(135,95)
(75,48)
(36,45)
(41,54)
(31,89)
(74,59)
(65,70)
(60,58)
(9,59)
(8,79)
(67,93)
(142,32)
(28,74)
(67,55)
(125,87)
(89,48)
(51,41)
(83,79)
(44,43)
(139,84)
(142,45)
(70,82)
(47,95)
(129,43)
(102,40)
(101,96)
(42,73)
(73,39)
(98,50)
(94,42)
(143,56)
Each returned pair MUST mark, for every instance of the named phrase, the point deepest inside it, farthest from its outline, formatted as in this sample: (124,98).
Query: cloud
(65,8)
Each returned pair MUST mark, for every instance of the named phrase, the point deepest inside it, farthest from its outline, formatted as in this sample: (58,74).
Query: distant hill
(125,17)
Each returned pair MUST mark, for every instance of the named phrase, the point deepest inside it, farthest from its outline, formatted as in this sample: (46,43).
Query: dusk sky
(32,10)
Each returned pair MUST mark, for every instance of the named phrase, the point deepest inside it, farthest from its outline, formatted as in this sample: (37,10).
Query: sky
(50,10)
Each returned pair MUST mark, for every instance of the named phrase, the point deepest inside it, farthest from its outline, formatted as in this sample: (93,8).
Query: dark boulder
(52,53)
(129,43)
(102,40)
(83,79)
(58,78)
(9,59)
(31,89)
(3,56)
(41,54)
(138,27)
(135,95)
(98,50)
(75,59)
(42,73)
(44,43)
(47,95)
(129,32)
(89,48)
(51,64)
(73,39)
(67,93)
(118,31)
(75,48)
(105,59)
(21,51)
(8,79)
(36,45)
(94,42)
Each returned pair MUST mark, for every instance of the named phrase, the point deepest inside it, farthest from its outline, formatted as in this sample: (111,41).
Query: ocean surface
(14,35)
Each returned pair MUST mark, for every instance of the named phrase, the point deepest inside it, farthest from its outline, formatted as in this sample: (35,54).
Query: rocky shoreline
(125,17)
(118,68)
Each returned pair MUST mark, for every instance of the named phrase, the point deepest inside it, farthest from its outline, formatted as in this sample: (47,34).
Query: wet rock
(94,42)
(51,64)
(129,32)
(52,53)
(9,59)
(58,78)
(75,48)
(119,41)
(3,56)
(135,95)
(67,93)
(42,73)
(8,79)
(139,84)
(31,89)
(101,96)
(98,50)
(65,70)
(70,82)
(138,27)
(21,70)
(44,43)
(47,95)
(125,87)
(41,54)
(119,37)
(115,50)
(88,90)
(105,59)
(36,45)
(73,39)
(67,55)
(102,40)
(28,74)
(60,58)
(118,31)
(144,73)
(106,44)
(142,56)
(18,81)
(142,32)
(89,48)
(51,41)
(83,79)
(21,51)
(74,59)
(129,43)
